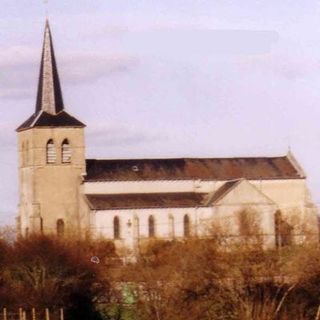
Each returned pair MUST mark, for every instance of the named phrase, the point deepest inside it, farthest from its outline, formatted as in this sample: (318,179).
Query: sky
(150,78)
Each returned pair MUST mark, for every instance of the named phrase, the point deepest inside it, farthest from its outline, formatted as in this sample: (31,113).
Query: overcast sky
(168,78)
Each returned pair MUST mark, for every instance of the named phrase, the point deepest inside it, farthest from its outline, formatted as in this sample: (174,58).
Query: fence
(32,314)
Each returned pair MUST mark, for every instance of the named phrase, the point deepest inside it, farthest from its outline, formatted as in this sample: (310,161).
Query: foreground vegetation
(194,279)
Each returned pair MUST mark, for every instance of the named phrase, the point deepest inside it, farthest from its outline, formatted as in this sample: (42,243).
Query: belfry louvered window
(51,152)
(66,151)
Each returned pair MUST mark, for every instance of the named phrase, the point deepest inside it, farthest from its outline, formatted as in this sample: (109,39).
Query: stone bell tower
(51,159)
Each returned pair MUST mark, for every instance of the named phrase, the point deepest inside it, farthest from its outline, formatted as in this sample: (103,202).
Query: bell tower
(51,159)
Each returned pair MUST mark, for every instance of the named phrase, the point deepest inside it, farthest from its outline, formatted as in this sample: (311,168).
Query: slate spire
(49,97)
(49,111)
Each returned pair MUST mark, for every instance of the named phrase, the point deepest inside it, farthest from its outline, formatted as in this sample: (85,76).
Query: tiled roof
(193,168)
(145,200)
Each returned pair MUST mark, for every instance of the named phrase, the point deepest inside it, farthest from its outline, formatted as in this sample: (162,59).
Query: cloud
(204,42)
(285,66)
(19,64)
(111,31)
(101,135)
(19,69)
(82,67)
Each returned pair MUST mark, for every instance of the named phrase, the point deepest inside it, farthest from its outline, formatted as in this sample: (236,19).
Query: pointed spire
(49,107)
(49,97)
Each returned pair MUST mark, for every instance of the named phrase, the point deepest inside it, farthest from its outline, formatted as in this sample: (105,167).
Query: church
(131,201)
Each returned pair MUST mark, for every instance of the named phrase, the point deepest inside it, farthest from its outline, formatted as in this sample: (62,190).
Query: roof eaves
(192,179)
(150,207)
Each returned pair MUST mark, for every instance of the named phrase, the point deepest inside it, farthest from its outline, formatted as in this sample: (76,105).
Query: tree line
(169,280)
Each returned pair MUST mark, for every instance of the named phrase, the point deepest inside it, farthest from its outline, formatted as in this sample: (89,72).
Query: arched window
(51,152)
(283,231)
(171,227)
(65,151)
(41,225)
(151,227)
(186,226)
(116,228)
(60,228)
(277,225)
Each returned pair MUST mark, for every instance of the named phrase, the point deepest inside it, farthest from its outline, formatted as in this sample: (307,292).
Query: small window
(186,226)
(27,153)
(116,228)
(51,152)
(60,228)
(66,151)
(151,227)
(23,154)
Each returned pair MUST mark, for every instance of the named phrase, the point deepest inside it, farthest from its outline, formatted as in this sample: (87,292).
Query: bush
(41,272)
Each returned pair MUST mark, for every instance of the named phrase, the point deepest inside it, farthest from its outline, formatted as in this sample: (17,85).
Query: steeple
(49,98)
(49,111)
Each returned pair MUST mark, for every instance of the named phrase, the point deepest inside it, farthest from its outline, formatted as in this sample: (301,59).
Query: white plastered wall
(291,196)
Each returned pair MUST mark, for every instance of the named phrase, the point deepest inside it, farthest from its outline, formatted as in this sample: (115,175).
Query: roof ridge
(233,184)
(188,158)
(36,118)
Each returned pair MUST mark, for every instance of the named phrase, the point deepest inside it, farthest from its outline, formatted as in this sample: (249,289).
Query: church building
(131,201)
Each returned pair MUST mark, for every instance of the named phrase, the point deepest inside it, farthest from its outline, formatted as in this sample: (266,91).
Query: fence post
(24,315)
(47,314)
(4,313)
(61,314)
(20,314)
(33,314)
